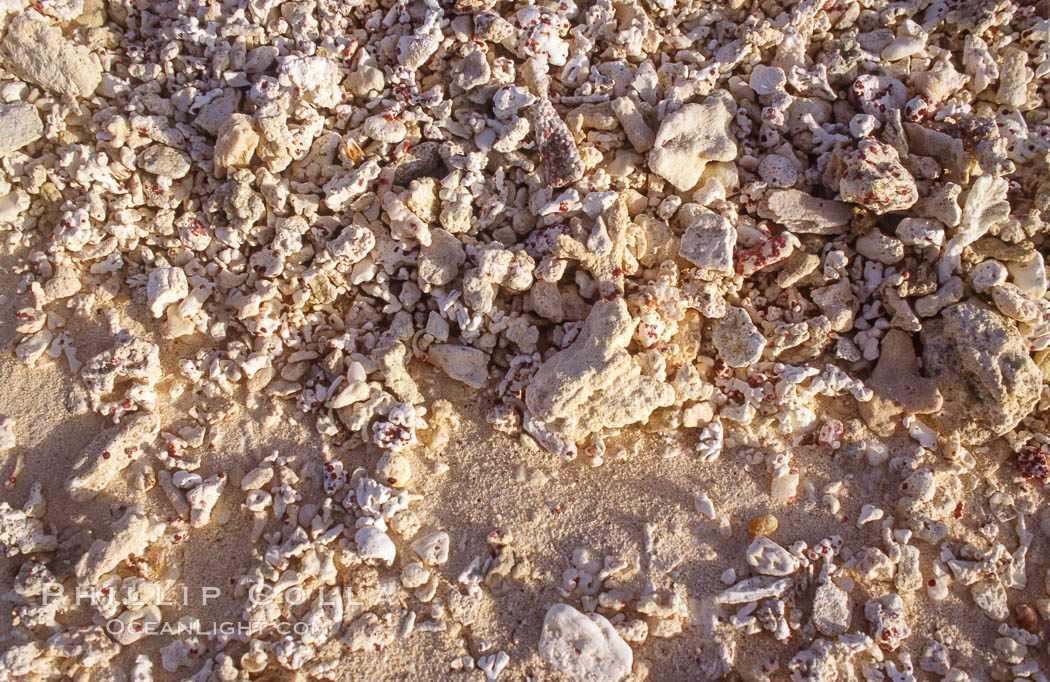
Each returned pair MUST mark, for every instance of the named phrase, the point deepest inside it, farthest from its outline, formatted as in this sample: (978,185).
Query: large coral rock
(594,383)
(874,177)
(37,52)
(691,137)
(897,386)
(983,369)
(585,646)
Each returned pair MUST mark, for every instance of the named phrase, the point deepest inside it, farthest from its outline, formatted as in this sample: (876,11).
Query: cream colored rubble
(770,234)
(131,535)
(110,453)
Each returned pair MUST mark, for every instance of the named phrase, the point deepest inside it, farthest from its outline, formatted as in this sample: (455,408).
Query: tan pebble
(766,524)
(394,469)
(261,379)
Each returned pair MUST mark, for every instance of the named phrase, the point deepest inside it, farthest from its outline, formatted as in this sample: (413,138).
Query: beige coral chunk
(897,385)
(939,81)
(638,132)
(802,212)
(236,143)
(132,534)
(838,303)
(440,261)
(590,364)
(165,161)
(923,141)
(631,399)
(20,125)
(584,646)
(462,363)
(1013,78)
(691,137)
(392,362)
(203,498)
(545,299)
(22,533)
(88,646)
(982,365)
(109,453)
(39,53)
(65,283)
(708,243)
(594,383)
(217,111)
(94,14)
(604,250)
(166,286)
(737,339)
